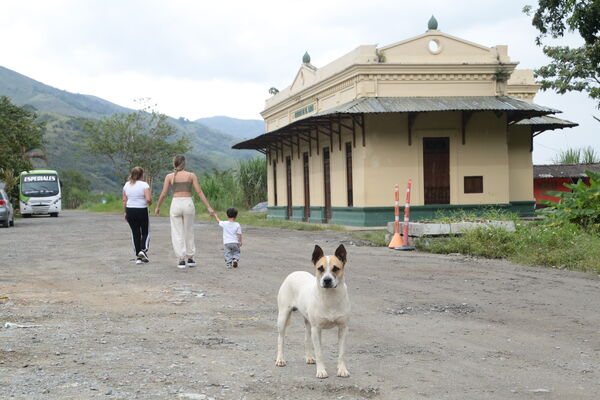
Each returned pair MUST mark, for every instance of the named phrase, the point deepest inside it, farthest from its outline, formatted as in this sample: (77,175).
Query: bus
(39,193)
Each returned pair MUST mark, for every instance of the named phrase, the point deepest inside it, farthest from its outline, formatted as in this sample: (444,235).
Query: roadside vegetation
(567,238)
(242,188)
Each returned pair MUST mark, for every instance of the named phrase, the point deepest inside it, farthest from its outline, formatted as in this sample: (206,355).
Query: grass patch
(376,238)
(565,246)
(112,204)
(486,214)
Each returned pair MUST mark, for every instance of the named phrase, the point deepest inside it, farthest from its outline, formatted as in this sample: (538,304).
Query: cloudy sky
(199,59)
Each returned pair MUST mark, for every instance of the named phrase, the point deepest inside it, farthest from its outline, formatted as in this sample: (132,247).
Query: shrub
(581,206)
(252,179)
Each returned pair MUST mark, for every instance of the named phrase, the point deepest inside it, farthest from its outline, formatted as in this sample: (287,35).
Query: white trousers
(182,215)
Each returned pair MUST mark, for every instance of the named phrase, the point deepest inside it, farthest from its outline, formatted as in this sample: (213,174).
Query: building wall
(388,159)
(316,179)
(520,163)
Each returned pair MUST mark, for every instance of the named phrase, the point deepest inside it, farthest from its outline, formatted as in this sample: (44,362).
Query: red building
(553,177)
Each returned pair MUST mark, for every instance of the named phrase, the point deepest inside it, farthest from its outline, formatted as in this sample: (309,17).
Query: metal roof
(564,170)
(517,109)
(439,103)
(546,122)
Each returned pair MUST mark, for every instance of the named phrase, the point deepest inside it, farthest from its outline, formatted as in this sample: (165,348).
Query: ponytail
(178,165)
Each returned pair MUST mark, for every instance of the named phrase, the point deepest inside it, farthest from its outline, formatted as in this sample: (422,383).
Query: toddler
(232,238)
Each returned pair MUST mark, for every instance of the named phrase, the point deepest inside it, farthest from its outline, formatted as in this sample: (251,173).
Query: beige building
(453,116)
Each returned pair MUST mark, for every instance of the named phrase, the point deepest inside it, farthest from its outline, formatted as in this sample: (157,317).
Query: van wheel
(54,214)
(26,215)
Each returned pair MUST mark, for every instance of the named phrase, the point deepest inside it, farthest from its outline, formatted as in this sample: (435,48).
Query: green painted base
(380,216)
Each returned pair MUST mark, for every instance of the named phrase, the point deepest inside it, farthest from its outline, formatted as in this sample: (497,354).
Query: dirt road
(85,322)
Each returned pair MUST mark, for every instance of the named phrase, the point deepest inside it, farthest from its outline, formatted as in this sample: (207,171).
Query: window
(473,184)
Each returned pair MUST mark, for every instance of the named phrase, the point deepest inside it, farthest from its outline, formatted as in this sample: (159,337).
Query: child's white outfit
(231,245)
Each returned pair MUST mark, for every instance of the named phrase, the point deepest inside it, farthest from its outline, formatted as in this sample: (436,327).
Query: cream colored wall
(440,88)
(520,163)
(503,161)
(408,68)
(485,153)
(450,50)
(389,159)
(316,179)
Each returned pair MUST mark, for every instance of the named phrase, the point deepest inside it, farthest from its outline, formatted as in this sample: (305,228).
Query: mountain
(23,90)
(240,128)
(64,111)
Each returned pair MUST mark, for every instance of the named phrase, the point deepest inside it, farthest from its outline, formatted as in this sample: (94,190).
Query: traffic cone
(405,246)
(396,239)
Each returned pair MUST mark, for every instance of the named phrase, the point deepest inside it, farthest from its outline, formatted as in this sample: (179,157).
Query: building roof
(564,170)
(437,103)
(517,109)
(547,122)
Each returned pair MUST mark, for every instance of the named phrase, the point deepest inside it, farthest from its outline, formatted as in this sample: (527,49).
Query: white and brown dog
(323,302)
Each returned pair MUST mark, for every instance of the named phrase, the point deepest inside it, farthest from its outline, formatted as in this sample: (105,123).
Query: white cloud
(198,59)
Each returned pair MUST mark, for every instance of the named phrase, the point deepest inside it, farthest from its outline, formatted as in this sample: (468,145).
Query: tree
(21,137)
(571,69)
(75,189)
(143,138)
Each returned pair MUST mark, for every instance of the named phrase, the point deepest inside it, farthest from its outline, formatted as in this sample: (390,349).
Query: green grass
(113,205)
(486,214)
(376,238)
(564,246)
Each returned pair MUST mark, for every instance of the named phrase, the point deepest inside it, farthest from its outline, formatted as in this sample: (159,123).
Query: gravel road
(79,320)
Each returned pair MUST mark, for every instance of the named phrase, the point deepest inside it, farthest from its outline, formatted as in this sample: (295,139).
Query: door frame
(452,134)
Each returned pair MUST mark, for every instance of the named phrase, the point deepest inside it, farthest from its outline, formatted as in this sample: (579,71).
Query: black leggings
(138,221)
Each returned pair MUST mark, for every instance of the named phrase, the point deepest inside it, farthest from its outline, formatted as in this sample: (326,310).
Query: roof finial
(306,58)
(432,24)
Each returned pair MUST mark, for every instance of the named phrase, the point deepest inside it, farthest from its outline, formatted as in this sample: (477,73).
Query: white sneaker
(143,256)
(138,261)
(181,264)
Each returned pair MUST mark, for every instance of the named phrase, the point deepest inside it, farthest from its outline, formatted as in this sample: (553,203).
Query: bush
(581,206)
(536,243)
(75,188)
(252,179)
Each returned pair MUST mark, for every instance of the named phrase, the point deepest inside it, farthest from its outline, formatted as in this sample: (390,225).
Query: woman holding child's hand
(182,210)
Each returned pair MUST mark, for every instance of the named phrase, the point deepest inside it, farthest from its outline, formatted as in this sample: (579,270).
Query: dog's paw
(309,360)
(343,372)
(322,374)
(280,363)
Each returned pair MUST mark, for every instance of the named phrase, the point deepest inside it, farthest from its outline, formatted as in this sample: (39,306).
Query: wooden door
(327,181)
(288,183)
(436,170)
(349,188)
(275,183)
(306,187)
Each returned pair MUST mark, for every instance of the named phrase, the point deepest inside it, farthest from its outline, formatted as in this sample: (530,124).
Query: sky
(198,59)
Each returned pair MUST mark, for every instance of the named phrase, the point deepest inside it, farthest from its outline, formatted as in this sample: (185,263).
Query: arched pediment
(435,47)
(305,77)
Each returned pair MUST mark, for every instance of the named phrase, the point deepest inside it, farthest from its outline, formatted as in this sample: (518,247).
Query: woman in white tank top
(136,199)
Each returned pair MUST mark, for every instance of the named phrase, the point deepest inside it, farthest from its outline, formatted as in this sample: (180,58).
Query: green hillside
(240,128)
(63,113)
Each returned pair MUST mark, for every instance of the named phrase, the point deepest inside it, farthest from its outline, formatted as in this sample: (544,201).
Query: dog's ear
(340,253)
(317,254)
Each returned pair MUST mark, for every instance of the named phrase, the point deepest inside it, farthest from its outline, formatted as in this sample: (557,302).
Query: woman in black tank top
(182,210)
